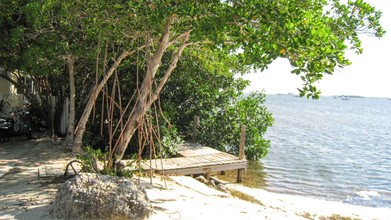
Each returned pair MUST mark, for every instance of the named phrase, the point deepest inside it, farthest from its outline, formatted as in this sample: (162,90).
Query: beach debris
(222,188)
(212,183)
(95,196)
(202,179)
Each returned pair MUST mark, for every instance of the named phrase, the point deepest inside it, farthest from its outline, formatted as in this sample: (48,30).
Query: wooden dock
(195,159)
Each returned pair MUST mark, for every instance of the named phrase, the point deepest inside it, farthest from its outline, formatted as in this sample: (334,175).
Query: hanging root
(70,164)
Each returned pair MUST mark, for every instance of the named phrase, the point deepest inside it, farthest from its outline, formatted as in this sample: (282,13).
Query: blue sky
(369,75)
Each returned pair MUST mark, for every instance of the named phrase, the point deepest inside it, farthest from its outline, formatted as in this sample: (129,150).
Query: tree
(246,110)
(312,35)
(25,55)
(37,47)
(41,39)
(72,108)
(312,40)
(215,94)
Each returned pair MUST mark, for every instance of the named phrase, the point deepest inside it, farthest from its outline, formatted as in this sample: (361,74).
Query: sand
(25,196)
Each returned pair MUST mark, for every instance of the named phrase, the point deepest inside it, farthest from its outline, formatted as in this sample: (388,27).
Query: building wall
(9,94)
(5,86)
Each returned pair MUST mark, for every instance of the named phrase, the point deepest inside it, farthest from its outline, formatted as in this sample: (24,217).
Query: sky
(369,75)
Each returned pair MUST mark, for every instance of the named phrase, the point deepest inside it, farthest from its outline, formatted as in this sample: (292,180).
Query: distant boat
(345,97)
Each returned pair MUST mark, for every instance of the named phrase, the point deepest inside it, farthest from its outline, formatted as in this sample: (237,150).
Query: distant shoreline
(332,96)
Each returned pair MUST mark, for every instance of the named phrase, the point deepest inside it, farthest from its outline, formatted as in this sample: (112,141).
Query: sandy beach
(25,196)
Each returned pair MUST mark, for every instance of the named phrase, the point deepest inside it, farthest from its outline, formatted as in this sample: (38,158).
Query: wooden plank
(191,149)
(186,166)
(195,159)
(205,169)
(201,151)
(49,171)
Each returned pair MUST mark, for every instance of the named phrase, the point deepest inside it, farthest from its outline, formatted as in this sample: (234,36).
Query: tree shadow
(23,194)
(40,212)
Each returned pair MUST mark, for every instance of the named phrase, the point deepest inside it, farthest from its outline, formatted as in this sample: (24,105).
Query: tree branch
(176,38)
(171,67)
(163,42)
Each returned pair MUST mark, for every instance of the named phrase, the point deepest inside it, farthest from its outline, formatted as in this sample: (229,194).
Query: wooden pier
(195,159)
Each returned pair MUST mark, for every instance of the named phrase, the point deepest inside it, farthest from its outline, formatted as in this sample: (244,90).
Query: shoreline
(314,206)
(24,196)
(264,204)
(361,198)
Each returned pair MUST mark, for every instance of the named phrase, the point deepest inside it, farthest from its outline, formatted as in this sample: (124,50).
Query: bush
(223,126)
(170,142)
(95,161)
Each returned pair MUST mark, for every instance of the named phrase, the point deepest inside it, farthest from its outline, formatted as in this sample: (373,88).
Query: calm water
(330,148)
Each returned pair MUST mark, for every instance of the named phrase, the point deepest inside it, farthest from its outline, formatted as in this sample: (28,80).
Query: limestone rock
(222,188)
(212,183)
(202,179)
(95,196)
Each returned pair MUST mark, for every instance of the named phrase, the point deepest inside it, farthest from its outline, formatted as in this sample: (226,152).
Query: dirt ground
(23,195)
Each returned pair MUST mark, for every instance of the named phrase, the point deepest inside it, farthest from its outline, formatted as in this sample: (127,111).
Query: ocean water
(332,148)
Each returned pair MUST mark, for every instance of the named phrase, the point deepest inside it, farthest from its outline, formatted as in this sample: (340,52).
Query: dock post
(241,150)
(196,123)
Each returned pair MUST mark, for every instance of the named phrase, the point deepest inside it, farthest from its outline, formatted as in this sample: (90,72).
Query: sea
(335,148)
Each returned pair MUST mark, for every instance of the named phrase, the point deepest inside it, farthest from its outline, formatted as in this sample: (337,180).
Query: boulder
(95,196)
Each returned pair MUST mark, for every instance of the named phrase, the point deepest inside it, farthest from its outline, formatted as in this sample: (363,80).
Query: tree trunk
(81,127)
(141,107)
(147,96)
(72,112)
(131,125)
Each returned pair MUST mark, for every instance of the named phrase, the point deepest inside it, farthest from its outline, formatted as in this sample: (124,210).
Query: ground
(25,195)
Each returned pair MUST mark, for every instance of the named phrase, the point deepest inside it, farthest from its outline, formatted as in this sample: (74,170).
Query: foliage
(223,126)
(202,87)
(313,35)
(89,159)
(215,95)
(92,161)
(223,37)
(170,141)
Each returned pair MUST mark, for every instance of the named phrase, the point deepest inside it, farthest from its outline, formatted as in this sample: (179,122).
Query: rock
(120,165)
(222,188)
(212,183)
(95,196)
(202,179)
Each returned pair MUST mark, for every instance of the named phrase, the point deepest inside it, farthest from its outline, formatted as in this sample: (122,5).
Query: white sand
(24,196)
(314,207)
(194,200)
(186,198)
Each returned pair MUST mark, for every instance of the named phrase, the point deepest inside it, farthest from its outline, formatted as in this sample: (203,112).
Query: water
(330,148)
